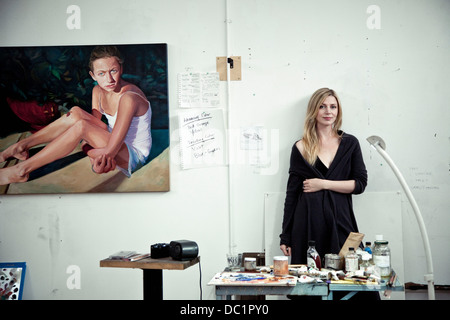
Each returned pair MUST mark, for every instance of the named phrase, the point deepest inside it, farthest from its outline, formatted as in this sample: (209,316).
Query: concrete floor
(422,294)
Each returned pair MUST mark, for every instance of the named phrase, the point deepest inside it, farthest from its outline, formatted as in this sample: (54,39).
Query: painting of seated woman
(78,119)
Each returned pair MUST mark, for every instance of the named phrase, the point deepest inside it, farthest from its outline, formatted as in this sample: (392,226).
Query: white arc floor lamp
(379,145)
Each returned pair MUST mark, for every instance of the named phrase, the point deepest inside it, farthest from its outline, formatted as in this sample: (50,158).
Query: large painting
(41,88)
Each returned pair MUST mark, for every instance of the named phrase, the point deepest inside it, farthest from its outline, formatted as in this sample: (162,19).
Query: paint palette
(249,279)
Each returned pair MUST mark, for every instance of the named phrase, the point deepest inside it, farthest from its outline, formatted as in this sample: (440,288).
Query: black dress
(325,216)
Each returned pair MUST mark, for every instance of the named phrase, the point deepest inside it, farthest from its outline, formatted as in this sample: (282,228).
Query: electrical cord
(200,270)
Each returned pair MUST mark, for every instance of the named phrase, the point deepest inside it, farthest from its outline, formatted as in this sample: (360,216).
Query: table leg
(349,295)
(153,285)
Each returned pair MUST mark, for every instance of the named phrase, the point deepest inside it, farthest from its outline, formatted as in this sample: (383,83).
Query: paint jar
(280,266)
(250,264)
(333,261)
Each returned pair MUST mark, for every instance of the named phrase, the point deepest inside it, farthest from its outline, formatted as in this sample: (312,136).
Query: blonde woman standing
(326,168)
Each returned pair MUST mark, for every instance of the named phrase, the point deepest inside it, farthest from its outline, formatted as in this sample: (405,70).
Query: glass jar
(382,257)
(250,264)
(378,237)
(280,266)
(351,260)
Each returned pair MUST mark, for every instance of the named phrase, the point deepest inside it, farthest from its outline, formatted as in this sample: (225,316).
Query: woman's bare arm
(314,185)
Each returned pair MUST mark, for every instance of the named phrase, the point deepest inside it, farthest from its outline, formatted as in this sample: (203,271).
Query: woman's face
(107,73)
(328,111)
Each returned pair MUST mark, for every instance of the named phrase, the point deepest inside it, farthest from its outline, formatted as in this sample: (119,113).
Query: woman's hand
(103,164)
(313,185)
(286,250)
(101,161)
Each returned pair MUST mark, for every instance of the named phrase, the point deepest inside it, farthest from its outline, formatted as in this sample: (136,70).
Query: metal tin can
(333,261)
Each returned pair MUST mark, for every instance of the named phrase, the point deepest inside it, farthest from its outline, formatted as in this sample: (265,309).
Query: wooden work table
(152,269)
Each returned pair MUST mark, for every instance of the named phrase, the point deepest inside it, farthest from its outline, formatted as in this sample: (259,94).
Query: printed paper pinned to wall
(198,89)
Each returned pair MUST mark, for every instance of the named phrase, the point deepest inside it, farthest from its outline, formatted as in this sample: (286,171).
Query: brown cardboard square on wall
(235,68)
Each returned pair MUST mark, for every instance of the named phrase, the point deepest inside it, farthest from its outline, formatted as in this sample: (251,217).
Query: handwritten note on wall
(202,138)
(197,89)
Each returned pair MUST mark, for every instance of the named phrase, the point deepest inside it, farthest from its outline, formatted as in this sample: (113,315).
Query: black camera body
(183,250)
(159,250)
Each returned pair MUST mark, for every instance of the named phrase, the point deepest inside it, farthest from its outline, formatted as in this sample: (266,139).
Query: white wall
(392,83)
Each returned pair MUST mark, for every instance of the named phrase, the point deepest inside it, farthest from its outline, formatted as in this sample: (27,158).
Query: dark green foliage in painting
(42,74)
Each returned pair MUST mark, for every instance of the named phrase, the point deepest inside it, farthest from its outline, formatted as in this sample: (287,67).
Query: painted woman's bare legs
(62,136)
(20,149)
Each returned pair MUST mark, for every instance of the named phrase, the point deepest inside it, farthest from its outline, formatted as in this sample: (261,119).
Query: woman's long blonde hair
(310,138)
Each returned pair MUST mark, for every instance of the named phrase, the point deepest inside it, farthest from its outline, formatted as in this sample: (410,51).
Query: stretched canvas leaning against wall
(39,85)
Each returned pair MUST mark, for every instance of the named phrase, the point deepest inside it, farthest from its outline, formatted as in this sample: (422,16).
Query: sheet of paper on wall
(253,140)
(198,89)
(202,138)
